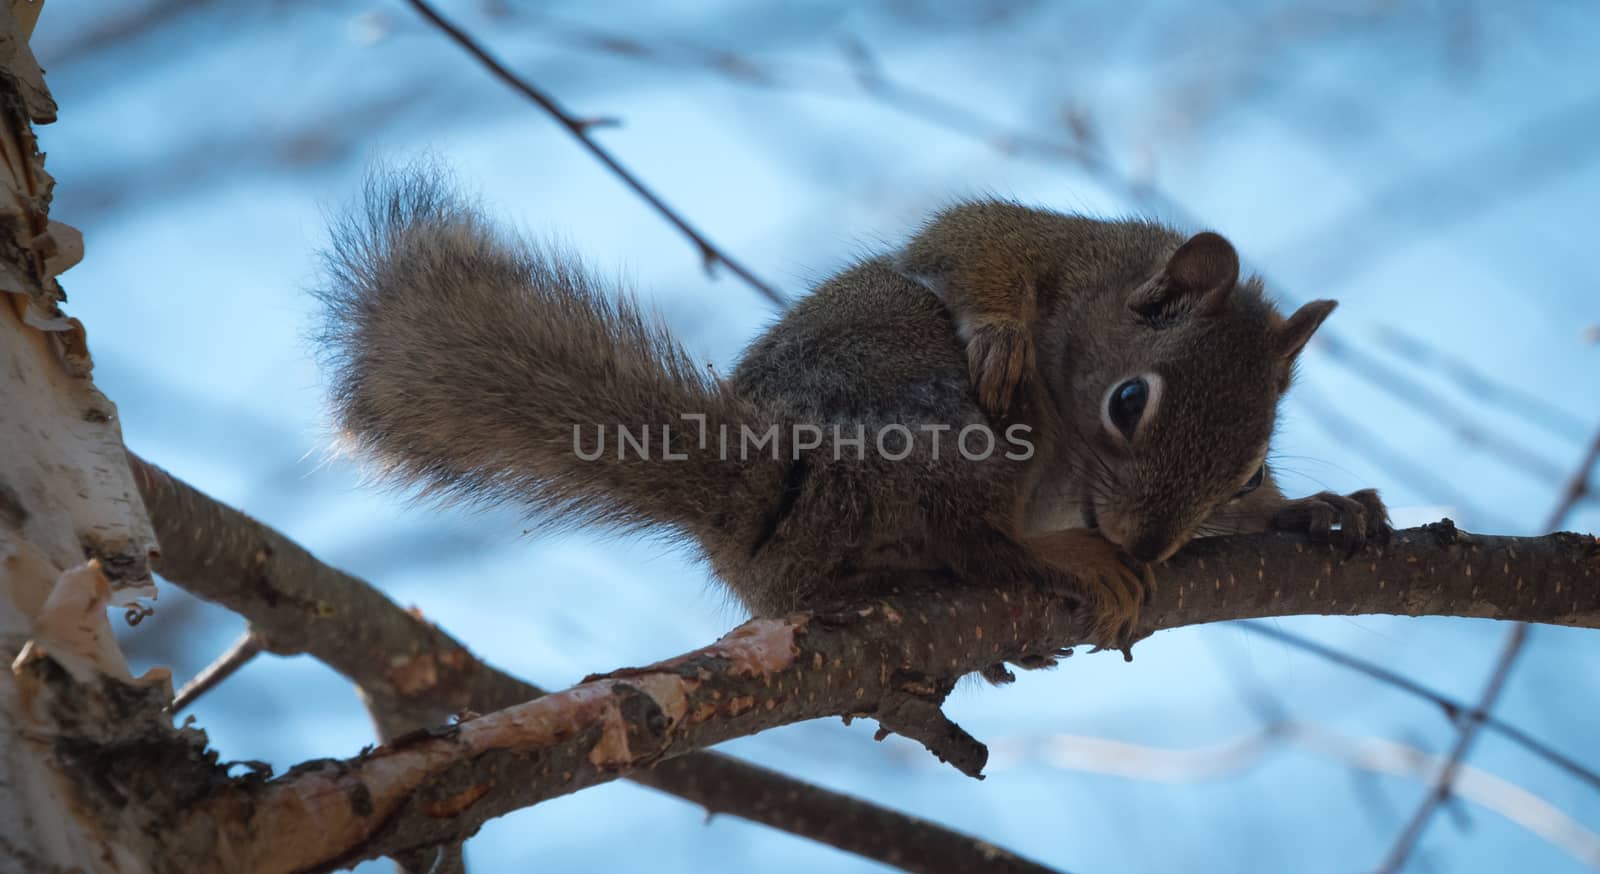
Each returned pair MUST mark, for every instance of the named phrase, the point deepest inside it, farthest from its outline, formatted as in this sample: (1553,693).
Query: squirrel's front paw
(1361,517)
(999,675)
(1000,358)
(1117,587)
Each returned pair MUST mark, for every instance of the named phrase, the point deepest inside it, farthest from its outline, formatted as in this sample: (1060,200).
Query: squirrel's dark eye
(1126,405)
(1253,483)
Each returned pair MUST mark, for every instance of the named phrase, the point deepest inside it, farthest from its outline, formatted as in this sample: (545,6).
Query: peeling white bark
(74,536)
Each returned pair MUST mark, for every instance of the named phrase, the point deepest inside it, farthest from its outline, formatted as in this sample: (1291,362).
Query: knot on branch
(1445,533)
(913,709)
(643,730)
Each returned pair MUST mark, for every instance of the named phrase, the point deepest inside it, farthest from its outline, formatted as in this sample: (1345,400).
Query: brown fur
(1084,304)
(462,359)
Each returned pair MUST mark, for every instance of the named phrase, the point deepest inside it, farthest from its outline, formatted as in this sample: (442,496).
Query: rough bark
(893,659)
(74,540)
(1435,570)
(413,674)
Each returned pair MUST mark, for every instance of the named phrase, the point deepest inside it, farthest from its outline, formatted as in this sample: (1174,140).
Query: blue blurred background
(1431,165)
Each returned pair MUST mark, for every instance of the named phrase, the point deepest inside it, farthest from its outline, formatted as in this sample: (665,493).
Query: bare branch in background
(1230,758)
(111,30)
(1552,145)
(207,161)
(866,78)
(710,254)
(1494,793)
(1219,58)
(1577,487)
(1481,386)
(1453,709)
(411,672)
(1423,400)
(241,653)
(1471,722)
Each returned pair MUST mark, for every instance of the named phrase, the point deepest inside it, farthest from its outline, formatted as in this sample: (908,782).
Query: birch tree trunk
(74,536)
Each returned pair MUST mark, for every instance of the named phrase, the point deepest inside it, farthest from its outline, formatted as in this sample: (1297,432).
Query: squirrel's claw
(1117,587)
(998,675)
(1000,358)
(1361,517)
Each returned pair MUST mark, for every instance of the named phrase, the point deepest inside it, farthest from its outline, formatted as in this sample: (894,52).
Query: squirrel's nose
(1144,539)
(1153,546)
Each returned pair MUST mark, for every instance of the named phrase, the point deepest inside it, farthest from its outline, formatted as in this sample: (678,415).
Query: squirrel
(1016,397)
(1164,365)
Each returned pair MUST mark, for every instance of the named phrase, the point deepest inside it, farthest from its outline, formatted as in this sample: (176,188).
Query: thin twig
(1577,487)
(108,31)
(1445,194)
(1479,385)
(1470,723)
(1422,399)
(1231,758)
(1511,801)
(247,647)
(865,77)
(579,128)
(1453,708)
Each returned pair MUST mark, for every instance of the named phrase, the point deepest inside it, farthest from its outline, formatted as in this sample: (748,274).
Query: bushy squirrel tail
(487,368)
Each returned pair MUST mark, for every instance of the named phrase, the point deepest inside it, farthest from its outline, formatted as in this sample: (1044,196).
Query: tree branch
(1435,570)
(859,660)
(579,128)
(413,674)
(240,653)
(1475,383)
(1232,758)
(448,858)
(1577,485)
(1471,722)
(1452,708)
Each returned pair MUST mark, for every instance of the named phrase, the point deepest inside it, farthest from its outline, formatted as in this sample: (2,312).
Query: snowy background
(1431,165)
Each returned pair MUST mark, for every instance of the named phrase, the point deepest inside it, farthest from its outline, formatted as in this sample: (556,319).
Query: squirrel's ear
(1200,277)
(1296,330)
